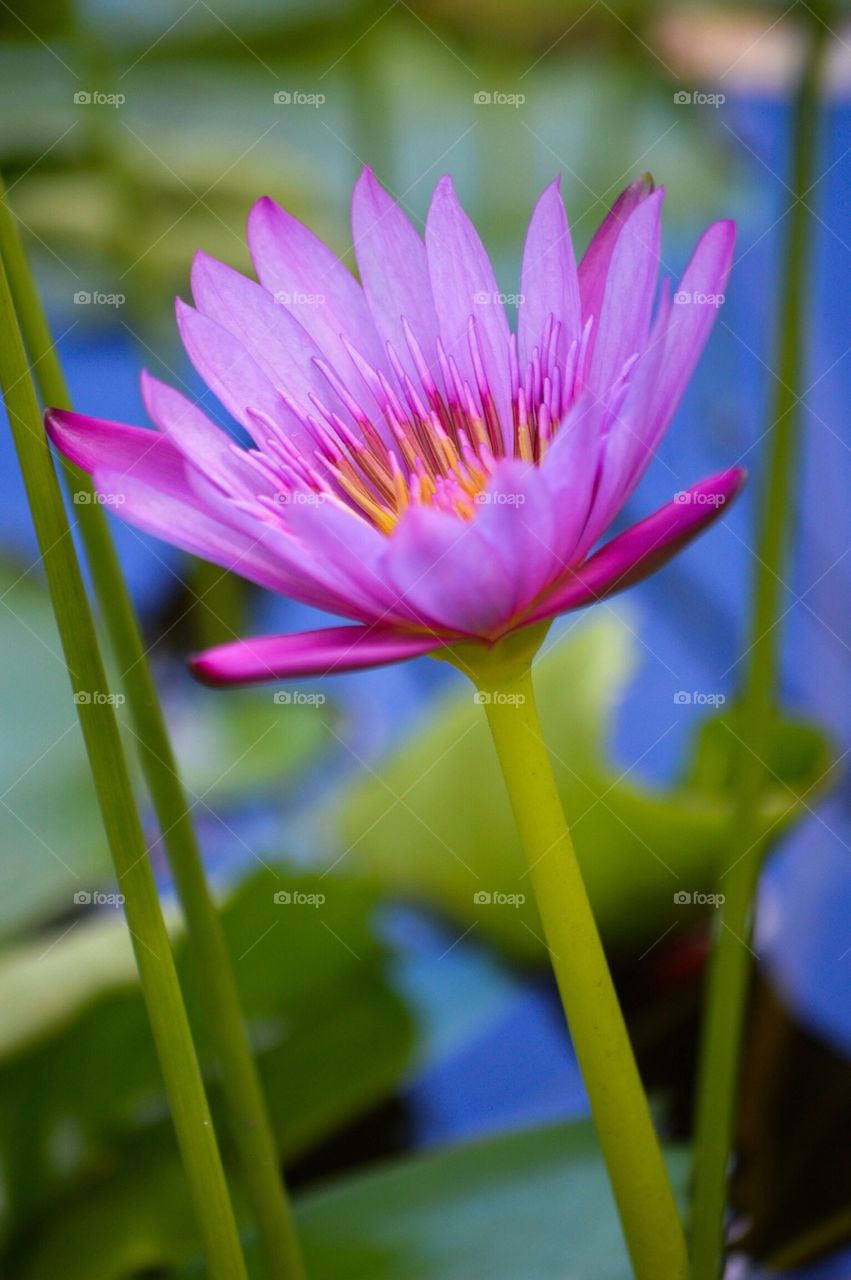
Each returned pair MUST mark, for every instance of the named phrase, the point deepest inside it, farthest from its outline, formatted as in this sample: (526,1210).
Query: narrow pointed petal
(646,546)
(393,266)
(143,476)
(310,653)
(594,266)
(231,373)
(192,432)
(464,286)
(623,322)
(548,281)
(696,303)
(305,276)
(274,340)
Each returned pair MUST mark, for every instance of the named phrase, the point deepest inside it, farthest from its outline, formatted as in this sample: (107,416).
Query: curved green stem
(157,974)
(637,1171)
(247,1114)
(731,962)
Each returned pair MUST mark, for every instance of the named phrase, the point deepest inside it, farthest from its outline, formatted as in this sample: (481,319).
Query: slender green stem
(247,1112)
(637,1171)
(731,962)
(160,987)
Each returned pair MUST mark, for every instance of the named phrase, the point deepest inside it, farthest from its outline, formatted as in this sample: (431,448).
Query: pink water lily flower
(417,468)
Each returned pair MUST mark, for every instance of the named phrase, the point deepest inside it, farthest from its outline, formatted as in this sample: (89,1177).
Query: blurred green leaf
(433,822)
(82,1113)
(50,829)
(535,1204)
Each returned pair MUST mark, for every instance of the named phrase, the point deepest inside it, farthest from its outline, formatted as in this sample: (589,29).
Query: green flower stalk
(639,1179)
(160,988)
(731,960)
(245,1105)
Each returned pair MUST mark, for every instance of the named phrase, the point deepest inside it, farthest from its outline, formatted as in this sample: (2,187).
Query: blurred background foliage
(404,1013)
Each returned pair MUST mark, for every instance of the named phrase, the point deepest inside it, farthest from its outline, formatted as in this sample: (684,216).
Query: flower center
(440,437)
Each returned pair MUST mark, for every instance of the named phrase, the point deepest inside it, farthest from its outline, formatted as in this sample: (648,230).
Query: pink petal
(229,371)
(311,653)
(594,266)
(623,322)
(313,283)
(145,478)
(197,438)
(393,266)
(464,286)
(548,279)
(443,575)
(646,546)
(277,343)
(691,322)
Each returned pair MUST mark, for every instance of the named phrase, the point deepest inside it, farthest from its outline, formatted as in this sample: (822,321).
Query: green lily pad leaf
(799,758)
(535,1204)
(52,848)
(231,746)
(81,1103)
(433,821)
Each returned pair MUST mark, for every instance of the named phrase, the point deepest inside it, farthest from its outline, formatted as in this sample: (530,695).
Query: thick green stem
(246,1109)
(160,987)
(731,963)
(637,1171)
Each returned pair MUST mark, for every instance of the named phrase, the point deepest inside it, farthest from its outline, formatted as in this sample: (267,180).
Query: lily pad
(82,1111)
(535,1204)
(432,822)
